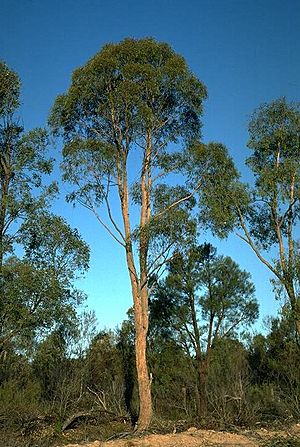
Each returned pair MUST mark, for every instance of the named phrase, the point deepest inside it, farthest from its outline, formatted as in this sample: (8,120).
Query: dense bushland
(248,384)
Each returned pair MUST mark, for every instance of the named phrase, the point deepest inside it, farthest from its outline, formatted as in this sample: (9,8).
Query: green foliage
(274,140)
(229,387)
(267,214)
(9,90)
(142,82)
(274,362)
(49,242)
(213,286)
(125,346)
(20,392)
(40,255)
(50,364)
(86,330)
(23,164)
(173,380)
(204,300)
(211,167)
(230,294)
(105,373)
(102,355)
(273,216)
(274,127)
(19,404)
(38,290)
(128,94)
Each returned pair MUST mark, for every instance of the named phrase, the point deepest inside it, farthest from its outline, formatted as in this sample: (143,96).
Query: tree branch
(110,213)
(177,202)
(247,238)
(92,208)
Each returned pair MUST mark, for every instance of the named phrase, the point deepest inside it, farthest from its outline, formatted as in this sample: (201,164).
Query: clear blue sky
(246,52)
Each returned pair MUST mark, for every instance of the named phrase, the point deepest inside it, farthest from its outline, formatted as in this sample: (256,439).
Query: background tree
(23,163)
(229,389)
(267,214)
(38,289)
(50,364)
(208,298)
(274,362)
(120,118)
(40,254)
(274,212)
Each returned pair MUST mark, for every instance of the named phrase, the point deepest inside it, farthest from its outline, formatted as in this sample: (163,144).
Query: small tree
(208,298)
(274,361)
(120,118)
(38,290)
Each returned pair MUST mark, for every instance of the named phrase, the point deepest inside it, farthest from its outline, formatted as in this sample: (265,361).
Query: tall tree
(23,163)
(265,215)
(120,118)
(273,217)
(39,253)
(204,298)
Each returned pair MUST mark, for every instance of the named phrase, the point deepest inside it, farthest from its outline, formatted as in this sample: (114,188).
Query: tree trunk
(297,323)
(144,381)
(140,299)
(139,283)
(294,302)
(141,302)
(202,387)
(296,317)
(201,362)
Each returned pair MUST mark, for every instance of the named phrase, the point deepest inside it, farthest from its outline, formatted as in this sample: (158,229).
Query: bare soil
(201,438)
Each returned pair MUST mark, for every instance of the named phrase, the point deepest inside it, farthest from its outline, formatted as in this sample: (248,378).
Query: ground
(206,438)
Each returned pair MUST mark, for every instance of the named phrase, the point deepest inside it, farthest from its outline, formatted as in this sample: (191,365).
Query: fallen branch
(85,415)
(75,417)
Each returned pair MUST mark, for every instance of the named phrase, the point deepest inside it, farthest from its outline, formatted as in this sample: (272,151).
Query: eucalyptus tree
(266,214)
(272,220)
(23,163)
(39,253)
(125,121)
(203,298)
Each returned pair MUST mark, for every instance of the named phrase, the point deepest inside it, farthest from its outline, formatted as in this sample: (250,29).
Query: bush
(19,404)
